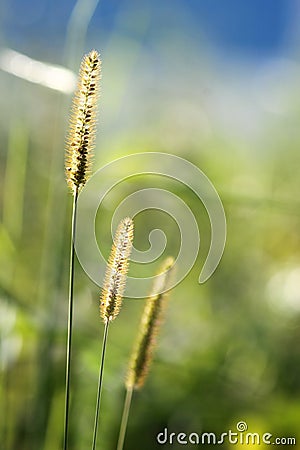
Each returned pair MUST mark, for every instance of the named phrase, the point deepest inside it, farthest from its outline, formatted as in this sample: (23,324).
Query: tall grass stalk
(70,319)
(142,354)
(79,149)
(112,294)
(100,379)
(124,420)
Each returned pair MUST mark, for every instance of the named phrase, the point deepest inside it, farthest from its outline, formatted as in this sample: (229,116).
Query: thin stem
(70,321)
(124,420)
(100,383)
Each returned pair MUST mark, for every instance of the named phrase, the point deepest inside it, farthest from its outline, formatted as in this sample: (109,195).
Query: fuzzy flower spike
(151,320)
(115,277)
(82,131)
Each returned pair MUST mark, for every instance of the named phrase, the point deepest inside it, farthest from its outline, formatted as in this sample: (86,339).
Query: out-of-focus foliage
(229,350)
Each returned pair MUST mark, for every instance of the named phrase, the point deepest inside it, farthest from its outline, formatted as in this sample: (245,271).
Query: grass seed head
(82,129)
(151,319)
(117,268)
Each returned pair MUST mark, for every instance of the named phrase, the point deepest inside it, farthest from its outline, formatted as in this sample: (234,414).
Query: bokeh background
(214,82)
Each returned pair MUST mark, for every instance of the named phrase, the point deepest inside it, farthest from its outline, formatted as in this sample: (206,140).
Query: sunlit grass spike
(152,317)
(82,130)
(115,277)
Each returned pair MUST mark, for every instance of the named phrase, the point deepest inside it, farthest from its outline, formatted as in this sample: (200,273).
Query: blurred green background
(216,83)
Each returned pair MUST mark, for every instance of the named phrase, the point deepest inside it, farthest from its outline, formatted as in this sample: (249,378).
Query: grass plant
(111,296)
(142,354)
(80,144)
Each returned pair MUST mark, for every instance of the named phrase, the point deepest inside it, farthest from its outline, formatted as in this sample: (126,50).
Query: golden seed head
(117,268)
(82,130)
(151,319)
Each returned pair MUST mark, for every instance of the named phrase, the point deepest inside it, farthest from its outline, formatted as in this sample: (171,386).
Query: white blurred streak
(48,75)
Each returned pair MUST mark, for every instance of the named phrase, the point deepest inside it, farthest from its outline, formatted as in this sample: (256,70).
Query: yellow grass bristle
(82,130)
(151,319)
(117,268)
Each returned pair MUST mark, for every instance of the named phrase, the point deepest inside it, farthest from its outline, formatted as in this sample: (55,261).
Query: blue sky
(254,28)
